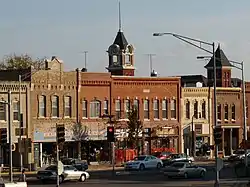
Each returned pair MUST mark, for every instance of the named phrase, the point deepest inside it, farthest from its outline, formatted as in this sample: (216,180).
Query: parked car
(144,162)
(238,155)
(69,173)
(178,158)
(80,165)
(162,155)
(184,169)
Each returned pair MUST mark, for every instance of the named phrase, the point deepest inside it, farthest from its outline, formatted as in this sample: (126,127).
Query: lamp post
(191,42)
(240,66)
(10,135)
(193,140)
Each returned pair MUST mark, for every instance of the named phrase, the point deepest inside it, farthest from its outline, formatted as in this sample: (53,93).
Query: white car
(144,162)
(69,173)
(181,157)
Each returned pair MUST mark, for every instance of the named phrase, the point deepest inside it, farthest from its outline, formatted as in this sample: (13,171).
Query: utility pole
(150,56)
(85,59)
(20,124)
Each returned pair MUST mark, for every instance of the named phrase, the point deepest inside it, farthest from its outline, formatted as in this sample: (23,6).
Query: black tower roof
(221,59)
(121,40)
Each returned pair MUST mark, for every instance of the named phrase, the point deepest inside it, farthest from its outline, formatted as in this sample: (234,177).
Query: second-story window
(2,111)
(187,109)
(118,109)
(226,112)
(136,107)
(106,107)
(156,109)
(42,106)
(173,109)
(233,112)
(67,106)
(146,109)
(127,108)
(15,110)
(55,106)
(196,109)
(164,109)
(203,110)
(219,111)
(95,109)
(84,109)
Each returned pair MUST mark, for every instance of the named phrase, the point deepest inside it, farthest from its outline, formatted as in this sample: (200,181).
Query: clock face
(114,49)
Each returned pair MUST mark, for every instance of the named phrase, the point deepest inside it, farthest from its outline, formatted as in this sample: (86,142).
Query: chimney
(84,70)
(153,73)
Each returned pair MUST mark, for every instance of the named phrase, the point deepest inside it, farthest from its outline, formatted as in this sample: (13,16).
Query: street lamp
(190,41)
(240,66)
(10,135)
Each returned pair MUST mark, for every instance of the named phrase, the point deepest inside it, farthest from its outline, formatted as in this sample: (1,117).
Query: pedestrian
(22,177)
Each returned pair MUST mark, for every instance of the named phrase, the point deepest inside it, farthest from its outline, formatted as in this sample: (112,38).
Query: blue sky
(67,28)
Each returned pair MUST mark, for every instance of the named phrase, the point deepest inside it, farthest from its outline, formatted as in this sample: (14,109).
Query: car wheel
(61,178)
(141,167)
(185,175)
(82,178)
(158,166)
(202,174)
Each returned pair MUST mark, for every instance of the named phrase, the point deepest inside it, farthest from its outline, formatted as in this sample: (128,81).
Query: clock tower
(121,55)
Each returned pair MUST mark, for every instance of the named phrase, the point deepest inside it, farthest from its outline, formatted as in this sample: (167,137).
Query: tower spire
(119,14)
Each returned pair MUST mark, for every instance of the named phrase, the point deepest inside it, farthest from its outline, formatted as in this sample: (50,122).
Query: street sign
(59,167)
(219,164)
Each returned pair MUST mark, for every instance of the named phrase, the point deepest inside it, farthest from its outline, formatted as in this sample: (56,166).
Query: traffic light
(3,133)
(111,134)
(218,135)
(60,133)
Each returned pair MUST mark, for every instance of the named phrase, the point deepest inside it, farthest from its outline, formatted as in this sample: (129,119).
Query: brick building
(229,104)
(9,81)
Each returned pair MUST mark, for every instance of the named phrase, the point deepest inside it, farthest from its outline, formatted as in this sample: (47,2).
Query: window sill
(15,120)
(146,119)
(66,117)
(173,119)
(156,119)
(54,117)
(165,119)
(84,118)
(94,118)
(123,119)
(41,117)
(3,121)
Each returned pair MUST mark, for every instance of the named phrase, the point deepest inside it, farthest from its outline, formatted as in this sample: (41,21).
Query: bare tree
(134,128)
(80,133)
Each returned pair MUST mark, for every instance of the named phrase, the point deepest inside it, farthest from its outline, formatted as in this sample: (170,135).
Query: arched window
(127,108)
(226,112)
(219,111)
(173,109)
(203,110)
(156,109)
(84,109)
(164,109)
(118,108)
(233,112)
(187,109)
(146,109)
(136,107)
(55,106)
(42,106)
(2,111)
(15,108)
(196,109)
(95,109)
(67,106)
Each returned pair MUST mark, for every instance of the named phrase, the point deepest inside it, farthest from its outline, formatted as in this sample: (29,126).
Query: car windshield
(239,152)
(69,168)
(178,165)
(175,156)
(140,158)
(51,168)
(156,154)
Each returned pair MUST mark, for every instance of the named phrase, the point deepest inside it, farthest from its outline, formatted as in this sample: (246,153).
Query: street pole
(20,125)
(193,144)
(244,113)
(57,161)
(216,184)
(10,137)
(113,157)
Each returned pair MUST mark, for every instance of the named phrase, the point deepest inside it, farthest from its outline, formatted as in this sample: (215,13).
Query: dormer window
(115,58)
(127,60)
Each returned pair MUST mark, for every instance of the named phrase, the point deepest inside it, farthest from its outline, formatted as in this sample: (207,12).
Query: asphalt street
(150,178)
